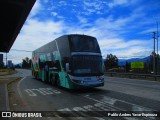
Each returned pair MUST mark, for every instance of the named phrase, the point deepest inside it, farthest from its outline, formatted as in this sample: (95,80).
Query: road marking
(101,107)
(102,104)
(43,91)
(20,94)
(139,108)
(79,109)
(134,106)
(30,92)
(64,109)
(95,110)
(82,111)
(109,100)
(112,108)
(54,91)
(88,107)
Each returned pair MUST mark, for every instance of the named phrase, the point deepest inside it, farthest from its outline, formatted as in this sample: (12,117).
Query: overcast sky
(122,27)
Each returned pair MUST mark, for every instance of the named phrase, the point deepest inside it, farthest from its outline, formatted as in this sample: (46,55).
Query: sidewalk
(4,103)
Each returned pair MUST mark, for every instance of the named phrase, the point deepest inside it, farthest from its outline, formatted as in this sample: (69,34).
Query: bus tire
(57,81)
(35,75)
(53,81)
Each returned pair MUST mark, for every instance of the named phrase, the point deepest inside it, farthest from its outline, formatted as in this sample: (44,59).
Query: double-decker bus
(71,61)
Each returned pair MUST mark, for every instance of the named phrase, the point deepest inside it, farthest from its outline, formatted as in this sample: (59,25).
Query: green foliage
(128,66)
(2,65)
(111,61)
(157,58)
(26,63)
(17,66)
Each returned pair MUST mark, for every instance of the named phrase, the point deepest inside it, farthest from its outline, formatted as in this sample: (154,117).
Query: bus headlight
(77,81)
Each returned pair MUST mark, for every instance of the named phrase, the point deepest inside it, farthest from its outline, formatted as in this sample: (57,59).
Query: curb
(10,74)
(7,96)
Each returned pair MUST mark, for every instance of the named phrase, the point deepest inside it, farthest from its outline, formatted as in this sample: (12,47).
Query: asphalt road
(118,94)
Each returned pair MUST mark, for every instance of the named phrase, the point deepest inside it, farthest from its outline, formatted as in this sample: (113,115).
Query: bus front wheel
(36,75)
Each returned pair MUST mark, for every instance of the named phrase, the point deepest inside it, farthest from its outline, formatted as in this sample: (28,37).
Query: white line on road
(20,94)
(54,91)
(40,91)
(43,91)
(112,108)
(109,100)
(134,106)
(30,92)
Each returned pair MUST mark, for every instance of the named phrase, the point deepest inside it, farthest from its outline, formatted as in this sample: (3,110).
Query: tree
(2,65)
(157,58)
(128,66)
(17,66)
(30,62)
(111,61)
(26,63)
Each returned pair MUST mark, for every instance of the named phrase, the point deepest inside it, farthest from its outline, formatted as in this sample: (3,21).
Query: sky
(122,27)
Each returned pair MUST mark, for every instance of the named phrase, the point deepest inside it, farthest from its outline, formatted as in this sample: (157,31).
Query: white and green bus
(73,61)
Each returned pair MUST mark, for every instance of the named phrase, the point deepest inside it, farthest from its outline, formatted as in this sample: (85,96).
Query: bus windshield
(83,44)
(87,65)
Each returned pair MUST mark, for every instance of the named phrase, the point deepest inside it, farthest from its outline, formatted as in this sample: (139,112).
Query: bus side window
(64,61)
(52,64)
(41,64)
(57,65)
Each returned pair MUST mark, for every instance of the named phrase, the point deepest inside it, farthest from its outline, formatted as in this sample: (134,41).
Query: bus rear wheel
(53,81)
(58,81)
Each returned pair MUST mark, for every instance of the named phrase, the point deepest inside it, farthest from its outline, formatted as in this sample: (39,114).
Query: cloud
(124,48)
(109,29)
(35,34)
(148,31)
(123,3)
(36,8)
(93,7)
(54,13)
(118,2)
(64,3)
(120,44)
(40,32)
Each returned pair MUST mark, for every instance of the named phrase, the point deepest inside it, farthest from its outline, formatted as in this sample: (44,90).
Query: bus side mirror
(67,67)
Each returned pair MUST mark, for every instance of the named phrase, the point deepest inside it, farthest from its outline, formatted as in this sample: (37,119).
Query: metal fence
(134,76)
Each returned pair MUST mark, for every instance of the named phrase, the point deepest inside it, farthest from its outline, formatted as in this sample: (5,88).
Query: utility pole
(154,39)
(157,38)
(157,59)
(6,60)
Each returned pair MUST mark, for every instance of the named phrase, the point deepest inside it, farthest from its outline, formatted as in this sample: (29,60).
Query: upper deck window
(82,43)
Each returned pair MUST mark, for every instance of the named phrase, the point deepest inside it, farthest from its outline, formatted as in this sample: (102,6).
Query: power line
(21,50)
